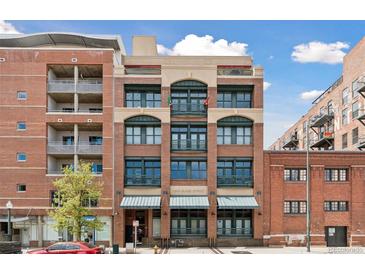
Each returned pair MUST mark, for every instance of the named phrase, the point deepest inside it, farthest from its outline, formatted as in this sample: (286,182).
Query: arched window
(143,129)
(188,97)
(234,130)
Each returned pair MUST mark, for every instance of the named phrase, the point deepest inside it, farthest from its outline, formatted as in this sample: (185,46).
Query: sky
(301,59)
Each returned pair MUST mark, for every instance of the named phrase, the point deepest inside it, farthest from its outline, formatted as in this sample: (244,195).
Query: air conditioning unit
(74,60)
(59,120)
(89,120)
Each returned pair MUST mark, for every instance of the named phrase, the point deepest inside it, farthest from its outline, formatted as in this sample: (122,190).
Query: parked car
(69,248)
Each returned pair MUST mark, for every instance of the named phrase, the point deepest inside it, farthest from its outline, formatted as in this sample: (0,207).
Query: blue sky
(271,43)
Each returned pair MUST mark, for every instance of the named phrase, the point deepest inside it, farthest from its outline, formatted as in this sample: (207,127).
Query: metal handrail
(234,180)
(73,111)
(188,144)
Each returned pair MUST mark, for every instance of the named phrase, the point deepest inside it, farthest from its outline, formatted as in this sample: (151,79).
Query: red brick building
(337,198)
(177,140)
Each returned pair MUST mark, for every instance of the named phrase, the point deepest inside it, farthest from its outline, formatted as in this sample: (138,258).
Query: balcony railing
(324,140)
(234,180)
(234,72)
(89,86)
(60,172)
(322,118)
(291,142)
(61,86)
(72,110)
(234,231)
(59,147)
(189,109)
(188,231)
(188,145)
(142,180)
(361,143)
(89,148)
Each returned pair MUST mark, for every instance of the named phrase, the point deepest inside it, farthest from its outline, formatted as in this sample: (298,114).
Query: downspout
(113,160)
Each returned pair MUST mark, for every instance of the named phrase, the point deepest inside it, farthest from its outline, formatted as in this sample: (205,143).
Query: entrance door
(336,236)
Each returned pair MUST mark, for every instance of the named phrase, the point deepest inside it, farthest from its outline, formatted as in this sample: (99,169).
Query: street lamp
(9,206)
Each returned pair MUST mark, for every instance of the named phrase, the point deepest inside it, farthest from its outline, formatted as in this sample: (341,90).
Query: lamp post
(9,206)
(308,192)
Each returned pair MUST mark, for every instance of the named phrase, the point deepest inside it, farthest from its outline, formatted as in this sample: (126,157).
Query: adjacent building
(177,140)
(336,120)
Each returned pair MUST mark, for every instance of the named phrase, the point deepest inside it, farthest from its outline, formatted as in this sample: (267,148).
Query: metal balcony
(59,147)
(189,109)
(361,86)
(361,116)
(89,148)
(188,145)
(291,143)
(325,140)
(361,143)
(234,180)
(323,118)
(89,86)
(72,110)
(142,180)
(64,86)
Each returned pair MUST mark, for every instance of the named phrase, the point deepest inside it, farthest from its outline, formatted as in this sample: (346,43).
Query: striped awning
(141,202)
(189,202)
(237,202)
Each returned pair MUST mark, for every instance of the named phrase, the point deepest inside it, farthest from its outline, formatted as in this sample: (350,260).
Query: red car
(69,248)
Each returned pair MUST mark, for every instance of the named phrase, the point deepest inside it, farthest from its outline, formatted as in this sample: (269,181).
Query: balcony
(80,110)
(90,86)
(234,232)
(325,140)
(361,143)
(59,147)
(188,145)
(361,116)
(291,143)
(323,118)
(64,86)
(89,148)
(142,180)
(234,180)
(189,109)
(188,232)
(361,86)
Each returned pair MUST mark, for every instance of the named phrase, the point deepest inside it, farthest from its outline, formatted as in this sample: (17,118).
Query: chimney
(144,46)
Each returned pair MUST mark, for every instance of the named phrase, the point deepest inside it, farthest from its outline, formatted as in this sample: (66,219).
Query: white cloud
(310,95)
(318,52)
(267,85)
(204,45)
(7,28)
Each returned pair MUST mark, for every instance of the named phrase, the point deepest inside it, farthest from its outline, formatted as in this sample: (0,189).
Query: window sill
(295,214)
(337,182)
(295,182)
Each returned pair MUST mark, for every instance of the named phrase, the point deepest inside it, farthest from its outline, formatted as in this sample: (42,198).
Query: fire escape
(361,116)
(322,125)
(291,143)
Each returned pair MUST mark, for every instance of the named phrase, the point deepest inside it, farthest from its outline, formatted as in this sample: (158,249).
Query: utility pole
(308,193)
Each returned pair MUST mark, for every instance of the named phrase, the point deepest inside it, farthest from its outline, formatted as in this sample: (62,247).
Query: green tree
(73,190)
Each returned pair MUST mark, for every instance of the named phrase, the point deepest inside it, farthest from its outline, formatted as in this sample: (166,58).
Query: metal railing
(234,231)
(188,144)
(189,108)
(234,180)
(188,231)
(142,180)
(61,85)
(60,172)
(235,72)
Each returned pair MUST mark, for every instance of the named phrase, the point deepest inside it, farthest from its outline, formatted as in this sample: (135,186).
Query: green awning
(237,202)
(141,202)
(189,202)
